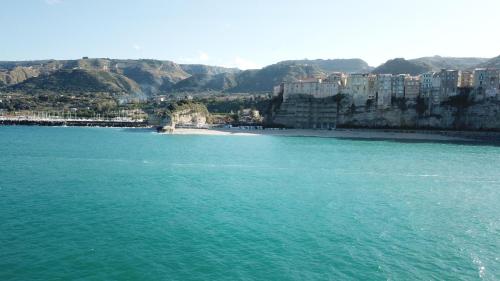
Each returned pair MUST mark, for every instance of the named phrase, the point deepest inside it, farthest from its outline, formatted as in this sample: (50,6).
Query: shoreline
(367,134)
(470,137)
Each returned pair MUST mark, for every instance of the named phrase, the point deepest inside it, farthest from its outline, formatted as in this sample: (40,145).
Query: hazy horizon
(248,34)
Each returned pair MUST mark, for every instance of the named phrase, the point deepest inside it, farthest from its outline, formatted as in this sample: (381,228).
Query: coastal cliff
(461,113)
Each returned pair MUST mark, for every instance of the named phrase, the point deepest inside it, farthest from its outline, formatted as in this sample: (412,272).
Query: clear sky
(248,34)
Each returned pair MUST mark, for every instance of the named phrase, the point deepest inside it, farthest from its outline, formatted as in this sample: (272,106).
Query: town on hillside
(446,99)
(381,89)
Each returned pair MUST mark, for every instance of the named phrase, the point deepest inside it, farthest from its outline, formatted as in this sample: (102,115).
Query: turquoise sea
(129,204)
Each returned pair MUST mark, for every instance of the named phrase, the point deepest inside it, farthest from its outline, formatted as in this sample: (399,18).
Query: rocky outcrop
(188,117)
(185,114)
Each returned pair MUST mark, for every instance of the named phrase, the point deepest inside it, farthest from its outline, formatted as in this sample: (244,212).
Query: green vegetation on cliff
(186,105)
(77,81)
(206,82)
(424,64)
(194,69)
(437,63)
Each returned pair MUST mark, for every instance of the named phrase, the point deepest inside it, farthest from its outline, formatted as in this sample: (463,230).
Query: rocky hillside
(206,82)
(194,69)
(17,74)
(491,63)
(264,79)
(79,81)
(149,75)
(255,80)
(153,77)
(400,65)
(424,64)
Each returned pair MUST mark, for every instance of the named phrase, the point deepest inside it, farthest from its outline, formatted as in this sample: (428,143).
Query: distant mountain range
(335,65)
(153,77)
(437,62)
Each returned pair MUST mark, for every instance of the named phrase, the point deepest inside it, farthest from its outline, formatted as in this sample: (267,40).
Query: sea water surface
(130,204)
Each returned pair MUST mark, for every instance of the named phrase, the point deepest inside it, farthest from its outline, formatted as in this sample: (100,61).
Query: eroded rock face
(189,117)
(186,117)
(307,112)
(18,75)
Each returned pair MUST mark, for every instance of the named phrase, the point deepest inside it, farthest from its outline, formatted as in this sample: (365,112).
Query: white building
(384,90)
(412,87)
(426,81)
(486,81)
(314,87)
(398,85)
(449,83)
(436,89)
(430,86)
(338,77)
(358,87)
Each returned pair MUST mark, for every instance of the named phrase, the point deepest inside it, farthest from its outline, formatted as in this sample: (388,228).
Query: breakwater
(73,122)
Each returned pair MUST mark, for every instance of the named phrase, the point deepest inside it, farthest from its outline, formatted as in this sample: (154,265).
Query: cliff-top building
(358,87)
(412,87)
(426,81)
(486,81)
(384,90)
(398,85)
(338,77)
(315,87)
(449,83)
(466,79)
(430,86)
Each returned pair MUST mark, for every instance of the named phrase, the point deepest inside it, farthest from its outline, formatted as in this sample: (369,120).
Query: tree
(338,100)
(421,105)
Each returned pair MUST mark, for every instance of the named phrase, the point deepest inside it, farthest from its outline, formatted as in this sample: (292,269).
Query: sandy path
(340,133)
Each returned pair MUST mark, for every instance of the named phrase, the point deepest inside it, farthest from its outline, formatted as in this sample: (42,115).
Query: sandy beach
(339,133)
